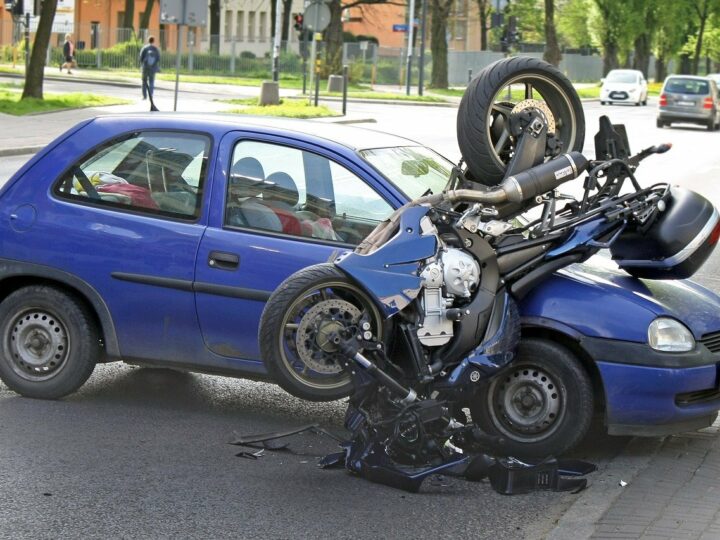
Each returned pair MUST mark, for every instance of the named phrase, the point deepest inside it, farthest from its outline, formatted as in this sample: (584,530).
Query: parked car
(624,86)
(689,99)
(155,240)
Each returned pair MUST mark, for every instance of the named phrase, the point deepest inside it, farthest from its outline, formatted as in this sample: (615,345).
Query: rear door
(278,205)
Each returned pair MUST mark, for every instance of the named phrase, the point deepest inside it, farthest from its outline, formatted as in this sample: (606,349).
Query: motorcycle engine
(453,276)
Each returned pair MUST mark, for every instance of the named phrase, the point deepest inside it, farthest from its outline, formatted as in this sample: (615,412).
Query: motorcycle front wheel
(505,88)
(298,322)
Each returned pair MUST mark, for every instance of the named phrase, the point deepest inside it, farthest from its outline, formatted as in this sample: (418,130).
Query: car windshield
(621,77)
(414,169)
(680,85)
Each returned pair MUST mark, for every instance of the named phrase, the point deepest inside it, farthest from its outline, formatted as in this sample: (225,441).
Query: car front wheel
(50,343)
(541,404)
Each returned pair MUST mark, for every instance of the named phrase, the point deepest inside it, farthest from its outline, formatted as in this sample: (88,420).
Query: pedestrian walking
(68,54)
(150,64)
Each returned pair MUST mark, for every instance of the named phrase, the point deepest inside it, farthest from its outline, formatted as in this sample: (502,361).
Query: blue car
(156,240)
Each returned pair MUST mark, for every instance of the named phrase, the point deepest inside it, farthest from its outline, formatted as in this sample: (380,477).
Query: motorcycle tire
(295,352)
(541,404)
(483,103)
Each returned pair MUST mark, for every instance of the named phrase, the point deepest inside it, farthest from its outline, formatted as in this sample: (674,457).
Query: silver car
(689,99)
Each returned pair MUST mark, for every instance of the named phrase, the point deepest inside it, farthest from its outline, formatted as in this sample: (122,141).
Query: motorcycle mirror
(662,148)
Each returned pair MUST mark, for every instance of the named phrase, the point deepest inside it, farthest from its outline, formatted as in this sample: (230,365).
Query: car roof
(624,71)
(678,76)
(351,137)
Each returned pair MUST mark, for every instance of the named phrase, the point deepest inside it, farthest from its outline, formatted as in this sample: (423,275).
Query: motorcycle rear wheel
(296,322)
(482,121)
(542,403)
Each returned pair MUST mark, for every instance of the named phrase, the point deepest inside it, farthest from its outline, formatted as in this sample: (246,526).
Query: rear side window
(687,86)
(154,172)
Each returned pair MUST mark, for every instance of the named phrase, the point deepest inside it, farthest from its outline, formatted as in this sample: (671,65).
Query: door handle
(223,260)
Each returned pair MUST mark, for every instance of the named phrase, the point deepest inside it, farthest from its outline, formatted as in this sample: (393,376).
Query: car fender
(11,269)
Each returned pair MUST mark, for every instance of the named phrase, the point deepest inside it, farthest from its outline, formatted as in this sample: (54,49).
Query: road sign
(187,12)
(316,16)
(400,28)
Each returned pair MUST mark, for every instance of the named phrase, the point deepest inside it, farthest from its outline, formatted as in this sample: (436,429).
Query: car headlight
(669,335)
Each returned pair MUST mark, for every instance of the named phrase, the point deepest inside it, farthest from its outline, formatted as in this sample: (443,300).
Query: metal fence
(250,55)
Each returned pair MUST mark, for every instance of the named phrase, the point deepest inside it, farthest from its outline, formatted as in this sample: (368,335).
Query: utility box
(270,93)
(335,83)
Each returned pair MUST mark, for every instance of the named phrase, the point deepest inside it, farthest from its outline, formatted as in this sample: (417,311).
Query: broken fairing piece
(265,438)
(510,476)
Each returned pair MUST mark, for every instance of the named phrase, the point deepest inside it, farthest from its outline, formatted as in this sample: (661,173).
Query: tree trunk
(660,69)
(215,26)
(34,79)
(552,52)
(334,39)
(685,64)
(285,37)
(641,58)
(440,9)
(129,18)
(145,19)
(483,9)
(698,44)
(610,59)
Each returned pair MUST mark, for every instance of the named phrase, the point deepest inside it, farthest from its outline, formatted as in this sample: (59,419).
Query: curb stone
(578,521)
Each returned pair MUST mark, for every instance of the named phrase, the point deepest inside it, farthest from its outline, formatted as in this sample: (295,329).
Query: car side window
(291,191)
(154,172)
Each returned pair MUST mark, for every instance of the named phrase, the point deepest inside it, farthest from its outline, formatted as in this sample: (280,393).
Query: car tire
(602,102)
(50,342)
(644,102)
(710,125)
(311,373)
(659,123)
(637,103)
(475,115)
(541,404)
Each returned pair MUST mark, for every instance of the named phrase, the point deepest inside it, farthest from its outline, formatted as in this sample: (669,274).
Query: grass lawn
(390,96)
(10,102)
(288,108)
(517,95)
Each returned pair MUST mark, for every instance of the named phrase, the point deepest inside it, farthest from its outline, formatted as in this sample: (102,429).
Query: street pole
(411,32)
(177,54)
(276,42)
(423,19)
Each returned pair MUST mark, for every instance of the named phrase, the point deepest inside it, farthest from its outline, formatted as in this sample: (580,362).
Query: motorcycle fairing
(390,273)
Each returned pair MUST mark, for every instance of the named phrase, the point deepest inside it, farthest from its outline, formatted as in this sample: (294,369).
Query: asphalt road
(143,453)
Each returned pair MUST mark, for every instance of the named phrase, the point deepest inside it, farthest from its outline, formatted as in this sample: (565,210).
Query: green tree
(34,78)
(572,21)
(129,15)
(484,11)
(439,11)
(671,30)
(552,52)
(703,9)
(610,25)
(530,17)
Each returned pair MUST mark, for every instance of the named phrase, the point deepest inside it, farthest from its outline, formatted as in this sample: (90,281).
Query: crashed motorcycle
(424,311)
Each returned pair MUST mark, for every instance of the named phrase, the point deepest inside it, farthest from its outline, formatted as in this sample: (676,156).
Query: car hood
(620,86)
(599,299)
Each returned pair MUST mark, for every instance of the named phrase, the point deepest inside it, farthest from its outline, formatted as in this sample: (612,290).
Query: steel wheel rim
(559,105)
(38,343)
(290,326)
(527,403)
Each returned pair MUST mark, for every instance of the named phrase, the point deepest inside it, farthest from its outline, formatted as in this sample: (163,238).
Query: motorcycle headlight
(669,335)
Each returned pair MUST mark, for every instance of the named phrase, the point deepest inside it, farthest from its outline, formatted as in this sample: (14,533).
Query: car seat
(244,209)
(281,195)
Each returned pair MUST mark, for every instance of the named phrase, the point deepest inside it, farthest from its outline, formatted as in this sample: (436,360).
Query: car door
(131,223)
(284,205)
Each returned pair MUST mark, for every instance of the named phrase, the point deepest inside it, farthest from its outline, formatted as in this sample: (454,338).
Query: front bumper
(651,393)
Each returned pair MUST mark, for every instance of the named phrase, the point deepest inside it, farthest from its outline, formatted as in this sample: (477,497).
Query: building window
(240,26)
(263,25)
(228,25)
(251,26)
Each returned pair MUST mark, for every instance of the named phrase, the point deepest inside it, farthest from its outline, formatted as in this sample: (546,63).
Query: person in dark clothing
(68,54)
(150,64)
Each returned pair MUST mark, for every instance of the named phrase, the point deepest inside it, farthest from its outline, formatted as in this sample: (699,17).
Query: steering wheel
(86,184)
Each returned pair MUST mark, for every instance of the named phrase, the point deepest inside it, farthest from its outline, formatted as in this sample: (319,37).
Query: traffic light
(298,18)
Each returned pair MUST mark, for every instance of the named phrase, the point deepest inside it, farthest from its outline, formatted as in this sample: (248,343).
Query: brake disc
(322,321)
(540,106)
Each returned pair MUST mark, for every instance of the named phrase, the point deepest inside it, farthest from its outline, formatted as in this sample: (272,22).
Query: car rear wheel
(542,403)
(50,343)
(659,123)
(710,124)
(602,102)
